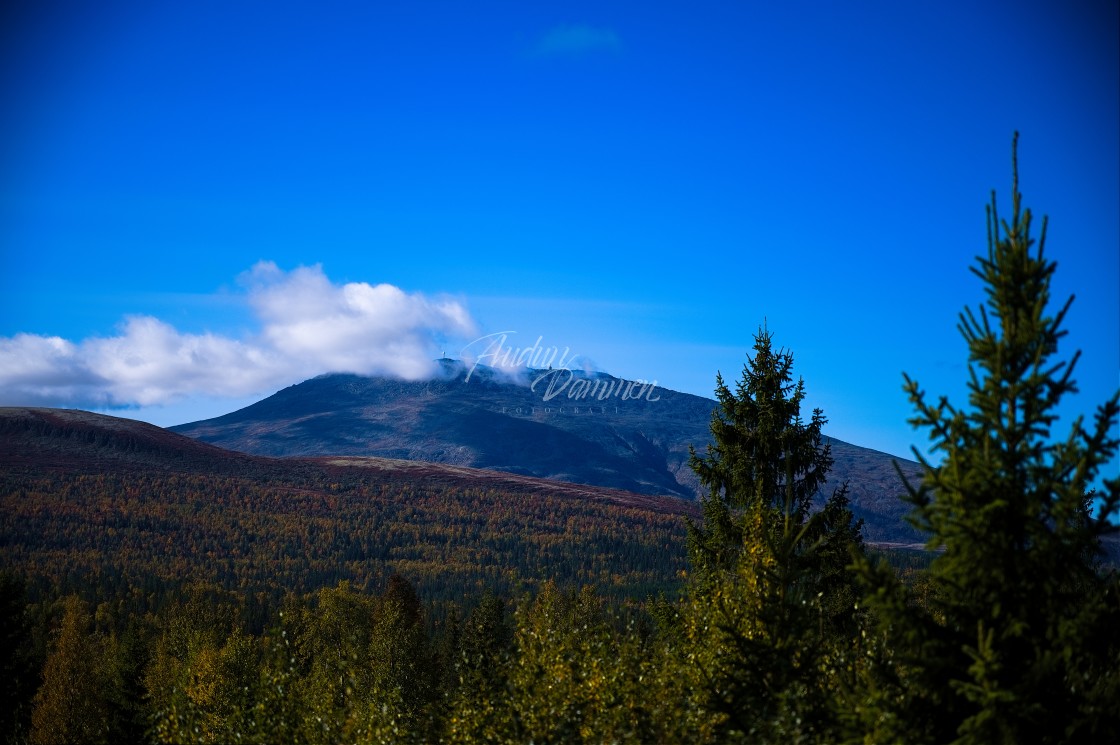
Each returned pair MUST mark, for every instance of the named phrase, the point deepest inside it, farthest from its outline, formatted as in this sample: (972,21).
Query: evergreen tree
(772,611)
(479,670)
(18,671)
(72,706)
(331,651)
(1018,640)
(126,657)
(403,673)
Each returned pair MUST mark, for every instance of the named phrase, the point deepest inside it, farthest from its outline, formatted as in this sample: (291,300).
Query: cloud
(44,370)
(570,40)
(308,326)
(356,327)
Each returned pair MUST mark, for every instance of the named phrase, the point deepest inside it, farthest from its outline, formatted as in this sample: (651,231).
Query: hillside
(128,508)
(41,438)
(588,428)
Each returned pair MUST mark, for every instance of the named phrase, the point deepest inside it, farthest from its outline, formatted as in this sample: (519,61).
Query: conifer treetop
(1000,453)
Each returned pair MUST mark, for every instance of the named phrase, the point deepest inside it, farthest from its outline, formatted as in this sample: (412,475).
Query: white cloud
(356,327)
(151,362)
(577,39)
(309,326)
(44,370)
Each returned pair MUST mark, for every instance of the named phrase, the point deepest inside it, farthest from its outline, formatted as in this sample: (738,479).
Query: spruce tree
(772,600)
(480,670)
(1019,640)
(402,675)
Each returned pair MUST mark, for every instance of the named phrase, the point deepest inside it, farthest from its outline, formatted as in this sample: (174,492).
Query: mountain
(577,427)
(44,439)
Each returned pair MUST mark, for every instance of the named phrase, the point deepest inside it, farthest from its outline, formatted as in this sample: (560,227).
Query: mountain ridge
(42,438)
(563,425)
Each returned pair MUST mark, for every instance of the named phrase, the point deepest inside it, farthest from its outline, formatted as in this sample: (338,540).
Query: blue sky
(203,202)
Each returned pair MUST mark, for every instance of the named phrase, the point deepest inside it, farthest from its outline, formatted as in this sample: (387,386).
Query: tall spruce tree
(1019,641)
(772,600)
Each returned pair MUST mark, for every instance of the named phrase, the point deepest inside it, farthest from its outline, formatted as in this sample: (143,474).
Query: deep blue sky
(641,183)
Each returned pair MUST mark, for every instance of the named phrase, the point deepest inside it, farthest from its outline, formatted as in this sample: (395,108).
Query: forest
(142,537)
(336,606)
